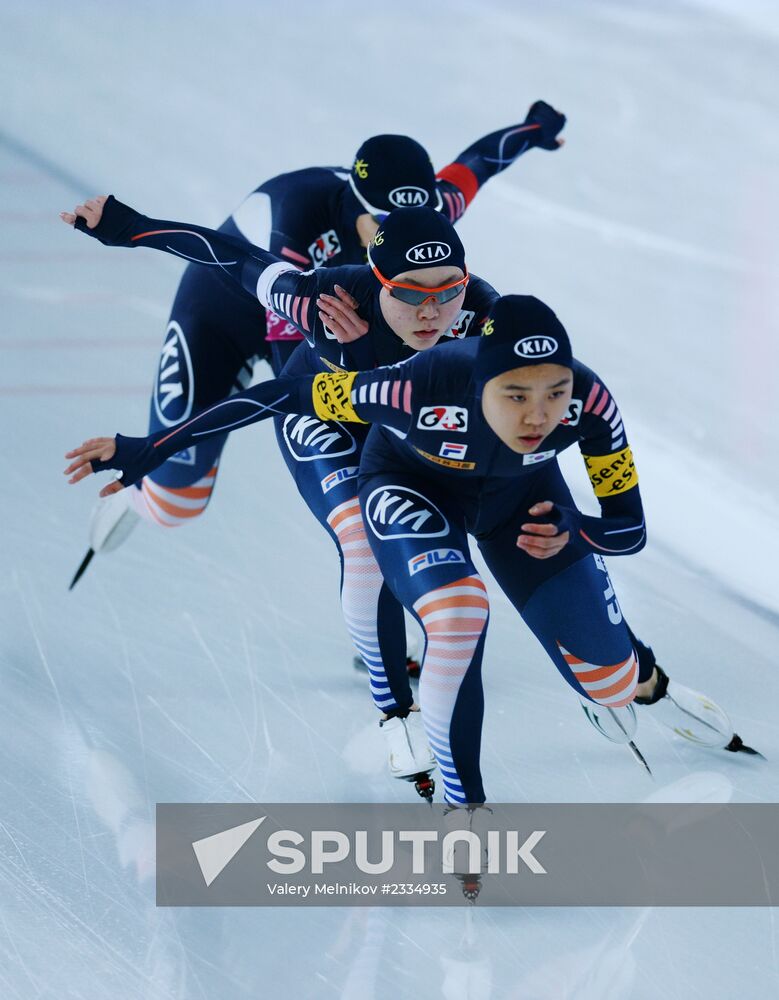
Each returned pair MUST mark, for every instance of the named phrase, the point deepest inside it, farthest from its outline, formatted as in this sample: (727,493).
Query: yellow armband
(612,474)
(332,396)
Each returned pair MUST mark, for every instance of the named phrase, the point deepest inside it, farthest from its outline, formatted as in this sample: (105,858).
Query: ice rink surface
(210,663)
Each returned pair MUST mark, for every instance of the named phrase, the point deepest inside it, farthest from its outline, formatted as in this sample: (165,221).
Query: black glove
(551,122)
(134,458)
(118,224)
(563,518)
(566,519)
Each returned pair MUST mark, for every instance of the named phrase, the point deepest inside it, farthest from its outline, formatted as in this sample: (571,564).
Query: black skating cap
(520,330)
(412,238)
(393,171)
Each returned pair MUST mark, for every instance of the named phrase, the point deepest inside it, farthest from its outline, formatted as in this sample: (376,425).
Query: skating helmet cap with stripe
(393,171)
(413,238)
(520,330)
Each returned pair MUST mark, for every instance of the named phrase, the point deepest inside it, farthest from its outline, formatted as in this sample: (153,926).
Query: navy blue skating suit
(322,456)
(432,472)
(216,332)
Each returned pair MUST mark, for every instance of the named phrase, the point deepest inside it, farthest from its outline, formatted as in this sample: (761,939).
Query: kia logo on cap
(429,253)
(535,347)
(408,195)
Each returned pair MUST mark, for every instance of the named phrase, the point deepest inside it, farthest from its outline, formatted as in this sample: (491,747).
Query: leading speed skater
(465,441)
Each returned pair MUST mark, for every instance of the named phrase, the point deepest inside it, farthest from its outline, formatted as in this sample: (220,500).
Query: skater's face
(422,326)
(524,405)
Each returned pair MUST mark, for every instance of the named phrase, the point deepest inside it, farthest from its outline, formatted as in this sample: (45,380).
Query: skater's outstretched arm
(460,180)
(380,396)
(275,283)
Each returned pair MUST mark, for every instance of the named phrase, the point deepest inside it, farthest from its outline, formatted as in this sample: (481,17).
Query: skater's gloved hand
(132,457)
(91,212)
(90,457)
(550,533)
(550,122)
(339,314)
(105,218)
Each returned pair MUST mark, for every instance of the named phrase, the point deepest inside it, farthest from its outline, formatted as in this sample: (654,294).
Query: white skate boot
(409,753)
(112,521)
(617,724)
(692,715)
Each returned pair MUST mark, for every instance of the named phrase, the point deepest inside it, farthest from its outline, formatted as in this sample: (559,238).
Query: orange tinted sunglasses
(413,295)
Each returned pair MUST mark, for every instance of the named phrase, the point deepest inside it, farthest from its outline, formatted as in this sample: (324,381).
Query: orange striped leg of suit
(454,618)
(574,613)
(361,588)
(613,685)
(170,506)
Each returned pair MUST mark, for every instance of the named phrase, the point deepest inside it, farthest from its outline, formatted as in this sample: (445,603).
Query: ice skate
(458,861)
(617,724)
(693,716)
(112,521)
(410,756)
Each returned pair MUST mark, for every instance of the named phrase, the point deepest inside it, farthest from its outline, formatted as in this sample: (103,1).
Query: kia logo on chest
(429,253)
(535,347)
(409,195)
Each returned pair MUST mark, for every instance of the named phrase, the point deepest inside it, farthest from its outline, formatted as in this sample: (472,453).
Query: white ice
(210,664)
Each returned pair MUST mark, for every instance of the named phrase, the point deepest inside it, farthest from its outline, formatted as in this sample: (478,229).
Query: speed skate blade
(82,568)
(737,745)
(640,757)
